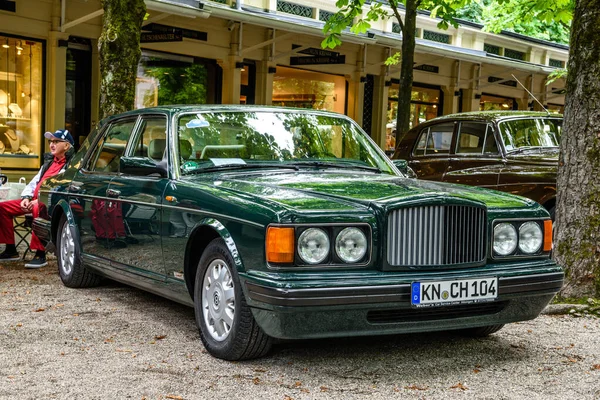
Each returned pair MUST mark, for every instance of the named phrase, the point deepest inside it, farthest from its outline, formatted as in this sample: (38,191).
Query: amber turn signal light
(547,235)
(280,245)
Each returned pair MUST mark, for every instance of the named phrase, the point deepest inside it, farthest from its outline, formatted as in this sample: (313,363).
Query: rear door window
(111,148)
(151,140)
(476,138)
(436,139)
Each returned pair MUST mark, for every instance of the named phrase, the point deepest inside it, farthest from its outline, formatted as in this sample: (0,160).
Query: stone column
(56,81)
(232,74)
(356,89)
(95,90)
(380,104)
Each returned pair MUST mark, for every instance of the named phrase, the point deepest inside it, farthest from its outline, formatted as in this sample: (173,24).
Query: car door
(429,158)
(88,191)
(476,159)
(136,203)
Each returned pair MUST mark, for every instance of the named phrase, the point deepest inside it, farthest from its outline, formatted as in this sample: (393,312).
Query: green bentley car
(278,223)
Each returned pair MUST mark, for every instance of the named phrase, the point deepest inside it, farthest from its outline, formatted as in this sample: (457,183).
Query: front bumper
(297,309)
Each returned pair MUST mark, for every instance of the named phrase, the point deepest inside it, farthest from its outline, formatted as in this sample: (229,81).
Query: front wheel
(70,268)
(227,328)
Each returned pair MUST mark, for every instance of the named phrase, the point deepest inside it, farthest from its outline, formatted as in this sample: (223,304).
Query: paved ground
(117,342)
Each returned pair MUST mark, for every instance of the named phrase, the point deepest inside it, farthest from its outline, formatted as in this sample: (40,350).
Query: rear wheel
(227,328)
(482,331)
(70,268)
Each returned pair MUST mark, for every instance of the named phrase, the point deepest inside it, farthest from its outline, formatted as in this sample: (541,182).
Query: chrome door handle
(113,193)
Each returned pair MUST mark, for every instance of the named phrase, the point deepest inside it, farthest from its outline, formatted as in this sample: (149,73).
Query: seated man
(61,149)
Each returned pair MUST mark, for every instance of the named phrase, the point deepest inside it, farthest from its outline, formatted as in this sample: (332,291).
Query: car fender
(61,206)
(218,227)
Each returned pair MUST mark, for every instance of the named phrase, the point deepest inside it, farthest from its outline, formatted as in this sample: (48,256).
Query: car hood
(536,156)
(346,191)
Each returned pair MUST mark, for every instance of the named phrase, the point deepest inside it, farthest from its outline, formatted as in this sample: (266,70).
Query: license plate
(436,293)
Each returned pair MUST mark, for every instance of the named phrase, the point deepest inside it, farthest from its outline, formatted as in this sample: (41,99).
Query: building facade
(254,52)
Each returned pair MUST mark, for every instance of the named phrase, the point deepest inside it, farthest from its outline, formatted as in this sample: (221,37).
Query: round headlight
(505,239)
(313,245)
(530,237)
(351,245)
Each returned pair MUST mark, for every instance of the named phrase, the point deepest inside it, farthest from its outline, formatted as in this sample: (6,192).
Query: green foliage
(180,85)
(356,16)
(542,19)
(556,74)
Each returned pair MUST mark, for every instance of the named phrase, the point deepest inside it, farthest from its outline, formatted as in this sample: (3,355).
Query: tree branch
(394,8)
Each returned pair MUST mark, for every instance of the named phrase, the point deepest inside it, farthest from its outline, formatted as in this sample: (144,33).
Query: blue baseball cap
(61,134)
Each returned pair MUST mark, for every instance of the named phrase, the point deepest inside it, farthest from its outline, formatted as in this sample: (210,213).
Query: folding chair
(23,226)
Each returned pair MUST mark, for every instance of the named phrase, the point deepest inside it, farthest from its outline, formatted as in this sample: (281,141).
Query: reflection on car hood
(345,191)
(537,156)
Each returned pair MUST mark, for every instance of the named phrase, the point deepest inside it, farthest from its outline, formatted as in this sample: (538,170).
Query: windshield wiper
(337,165)
(228,167)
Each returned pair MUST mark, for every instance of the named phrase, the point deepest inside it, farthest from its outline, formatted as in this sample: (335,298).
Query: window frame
(428,129)
(137,132)
(487,133)
(96,149)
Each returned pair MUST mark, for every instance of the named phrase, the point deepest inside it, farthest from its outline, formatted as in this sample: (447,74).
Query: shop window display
(425,105)
(173,79)
(308,89)
(490,102)
(20,103)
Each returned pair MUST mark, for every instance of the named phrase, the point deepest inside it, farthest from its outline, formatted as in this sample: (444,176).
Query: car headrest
(185,149)
(156,148)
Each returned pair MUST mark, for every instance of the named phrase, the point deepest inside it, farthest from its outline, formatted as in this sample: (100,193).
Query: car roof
(495,115)
(176,108)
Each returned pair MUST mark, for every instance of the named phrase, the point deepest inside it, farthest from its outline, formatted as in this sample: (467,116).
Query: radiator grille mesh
(436,235)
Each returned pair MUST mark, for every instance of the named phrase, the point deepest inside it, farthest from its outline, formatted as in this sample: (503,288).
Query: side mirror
(402,165)
(142,166)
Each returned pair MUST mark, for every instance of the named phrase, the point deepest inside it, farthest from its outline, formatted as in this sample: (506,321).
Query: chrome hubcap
(218,300)
(67,250)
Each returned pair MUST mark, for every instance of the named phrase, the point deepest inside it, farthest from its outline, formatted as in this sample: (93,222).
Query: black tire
(72,272)
(227,328)
(482,331)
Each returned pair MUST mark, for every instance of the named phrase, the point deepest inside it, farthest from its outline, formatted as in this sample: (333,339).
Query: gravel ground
(117,342)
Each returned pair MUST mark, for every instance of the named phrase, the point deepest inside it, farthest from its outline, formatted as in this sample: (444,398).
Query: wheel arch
(548,204)
(60,209)
(205,232)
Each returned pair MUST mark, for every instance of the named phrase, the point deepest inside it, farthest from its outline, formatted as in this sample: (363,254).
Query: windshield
(531,132)
(235,140)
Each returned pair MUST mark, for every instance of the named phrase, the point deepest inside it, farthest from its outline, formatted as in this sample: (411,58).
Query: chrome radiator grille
(436,235)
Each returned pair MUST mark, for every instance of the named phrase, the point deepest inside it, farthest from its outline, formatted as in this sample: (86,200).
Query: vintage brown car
(511,151)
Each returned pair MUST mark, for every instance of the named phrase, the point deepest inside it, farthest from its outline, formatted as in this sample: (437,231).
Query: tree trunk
(406,69)
(577,241)
(119,47)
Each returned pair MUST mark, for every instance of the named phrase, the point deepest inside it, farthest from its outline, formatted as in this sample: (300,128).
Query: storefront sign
(511,83)
(428,68)
(317,60)
(186,33)
(152,37)
(316,52)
